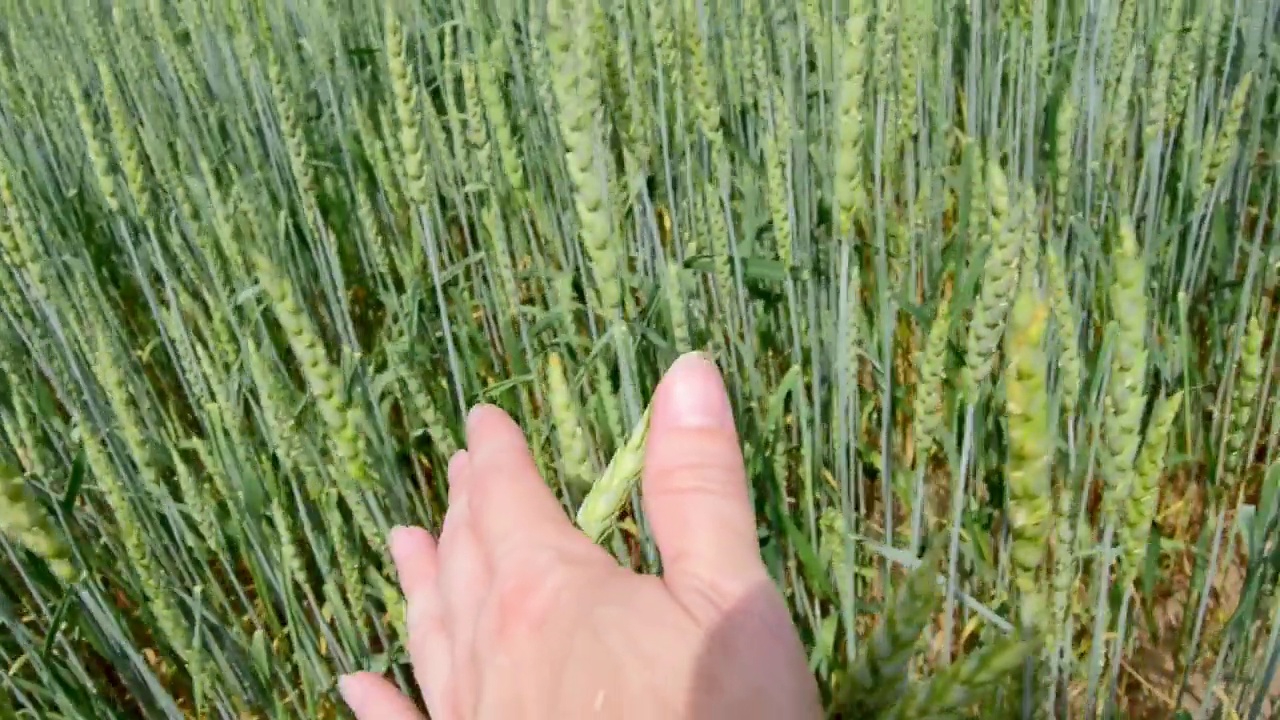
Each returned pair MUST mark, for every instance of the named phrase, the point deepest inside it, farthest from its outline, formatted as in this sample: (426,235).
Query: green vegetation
(993,286)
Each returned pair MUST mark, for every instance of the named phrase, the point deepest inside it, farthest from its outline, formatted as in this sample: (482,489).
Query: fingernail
(694,396)
(344,688)
(474,415)
(396,544)
(457,465)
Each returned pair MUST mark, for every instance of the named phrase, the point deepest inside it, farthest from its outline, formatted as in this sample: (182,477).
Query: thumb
(694,486)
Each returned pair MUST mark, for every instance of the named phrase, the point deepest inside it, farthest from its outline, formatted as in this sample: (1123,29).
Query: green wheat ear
(1245,393)
(599,510)
(1064,317)
(1145,498)
(23,520)
(932,364)
(999,282)
(571,439)
(1030,450)
(673,286)
(958,686)
(1121,429)
(878,675)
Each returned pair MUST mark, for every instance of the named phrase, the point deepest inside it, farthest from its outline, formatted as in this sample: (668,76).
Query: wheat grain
(477,130)
(342,418)
(702,94)
(161,604)
(295,142)
(1183,77)
(714,233)
(913,41)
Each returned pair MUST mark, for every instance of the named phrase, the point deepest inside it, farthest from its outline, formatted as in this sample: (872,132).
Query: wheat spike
(1145,498)
(956,687)
(577,93)
(600,508)
(1064,153)
(23,520)
(570,437)
(932,364)
(1223,143)
(850,195)
(1125,396)
(999,282)
(1030,448)
(878,675)
(1064,316)
(679,316)
(1244,394)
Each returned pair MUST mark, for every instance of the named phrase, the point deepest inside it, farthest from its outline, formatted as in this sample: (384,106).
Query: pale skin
(514,613)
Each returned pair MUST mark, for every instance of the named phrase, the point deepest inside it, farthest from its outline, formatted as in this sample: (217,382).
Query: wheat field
(992,285)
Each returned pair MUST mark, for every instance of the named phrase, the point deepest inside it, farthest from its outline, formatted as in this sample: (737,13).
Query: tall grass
(260,257)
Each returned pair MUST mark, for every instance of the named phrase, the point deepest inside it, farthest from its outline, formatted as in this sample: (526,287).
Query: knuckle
(702,452)
(423,612)
(693,484)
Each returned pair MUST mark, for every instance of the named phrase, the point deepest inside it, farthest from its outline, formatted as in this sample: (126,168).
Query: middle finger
(464,581)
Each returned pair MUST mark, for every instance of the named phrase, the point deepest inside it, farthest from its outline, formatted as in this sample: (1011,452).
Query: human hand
(514,613)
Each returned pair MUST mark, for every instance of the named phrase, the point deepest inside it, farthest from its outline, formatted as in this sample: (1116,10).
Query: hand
(514,613)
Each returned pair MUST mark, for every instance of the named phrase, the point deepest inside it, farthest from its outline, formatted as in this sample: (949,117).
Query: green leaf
(56,623)
(1151,572)
(814,571)
(978,540)
(258,651)
(1245,518)
(503,386)
(383,380)
(1268,495)
(73,486)
(824,643)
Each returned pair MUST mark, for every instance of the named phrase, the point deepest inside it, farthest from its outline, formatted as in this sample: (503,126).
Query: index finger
(512,507)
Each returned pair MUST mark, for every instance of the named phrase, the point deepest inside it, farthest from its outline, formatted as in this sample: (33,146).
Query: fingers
(371,697)
(512,505)
(464,583)
(414,553)
(694,486)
